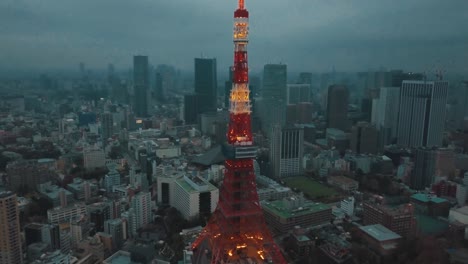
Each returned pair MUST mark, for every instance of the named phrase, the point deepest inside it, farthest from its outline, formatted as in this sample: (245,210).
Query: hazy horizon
(307,35)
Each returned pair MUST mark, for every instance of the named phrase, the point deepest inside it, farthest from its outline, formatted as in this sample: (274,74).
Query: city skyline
(350,36)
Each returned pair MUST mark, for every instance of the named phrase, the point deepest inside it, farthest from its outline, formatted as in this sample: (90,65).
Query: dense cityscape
(151,163)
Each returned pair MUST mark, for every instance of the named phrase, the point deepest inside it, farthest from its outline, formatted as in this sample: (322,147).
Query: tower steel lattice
(237,230)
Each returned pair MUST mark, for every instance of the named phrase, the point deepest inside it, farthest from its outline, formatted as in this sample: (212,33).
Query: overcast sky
(307,35)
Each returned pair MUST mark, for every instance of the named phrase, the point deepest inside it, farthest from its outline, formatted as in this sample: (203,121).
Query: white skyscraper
(422,113)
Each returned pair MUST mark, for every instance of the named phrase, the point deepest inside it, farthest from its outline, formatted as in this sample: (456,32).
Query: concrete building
(55,257)
(141,85)
(165,180)
(272,107)
(10,248)
(61,215)
(337,107)
(347,205)
(385,116)
(400,219)
(28,173)
(431,205)
(141,203)
(284,215)
(364,138)
(286,151)
(114,227)
(422,113)
(423,174)
(298,93)
(380,239)
(56,195)
(194,196)
(206,84)
(111,179)
(344,183)
(94,158)
(82,190)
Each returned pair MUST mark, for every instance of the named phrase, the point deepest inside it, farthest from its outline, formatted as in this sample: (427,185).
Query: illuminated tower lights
(237,229)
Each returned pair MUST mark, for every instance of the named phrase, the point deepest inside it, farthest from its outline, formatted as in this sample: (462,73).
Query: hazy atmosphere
(305,34)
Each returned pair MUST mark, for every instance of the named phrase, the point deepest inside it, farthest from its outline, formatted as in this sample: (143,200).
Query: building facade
(10,246)
(422,113)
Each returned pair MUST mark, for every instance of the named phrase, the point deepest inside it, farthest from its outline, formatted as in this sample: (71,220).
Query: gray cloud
(305,34)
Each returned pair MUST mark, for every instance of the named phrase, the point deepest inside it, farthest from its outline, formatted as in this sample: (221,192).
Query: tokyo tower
(237,232)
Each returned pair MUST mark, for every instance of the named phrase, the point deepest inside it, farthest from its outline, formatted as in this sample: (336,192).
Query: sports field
(310,187)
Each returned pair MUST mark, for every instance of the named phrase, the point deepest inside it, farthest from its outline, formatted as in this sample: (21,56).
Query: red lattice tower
(237,229)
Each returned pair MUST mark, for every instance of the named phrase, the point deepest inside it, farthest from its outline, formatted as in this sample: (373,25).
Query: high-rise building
(107,125)
(272,107)
(286,151)
(10,246)
(99,213)
(385,114)
(337,107)
(206,84)
(423,173)
(364,138)
(158,87)
(298,93)
(141,85)
(236,230)
(422,113)
(191,106)
(141,204)
(114,227)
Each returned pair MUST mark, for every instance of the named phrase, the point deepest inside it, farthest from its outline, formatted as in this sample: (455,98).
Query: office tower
(422,113)
(195,197)
(385,114)
(10,246)
(158,87)
(107,125)
(237,230)
(298,93)
(141,85)
(364,138)
(272,107)
(423,173)
(191,108)
(141,204)
(337,107)
(206,84)
(286,151)
(398,76)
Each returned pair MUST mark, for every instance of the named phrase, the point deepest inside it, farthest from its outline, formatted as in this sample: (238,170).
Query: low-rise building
(430,205)
(344,183)
(60,215)
(380,239)
(284,215)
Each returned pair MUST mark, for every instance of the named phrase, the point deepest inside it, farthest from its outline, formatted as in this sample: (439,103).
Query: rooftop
(189,188)
(279,208)
(425,198)
(380,232)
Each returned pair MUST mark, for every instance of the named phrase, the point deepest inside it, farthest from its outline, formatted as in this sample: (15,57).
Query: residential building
(10,247)
(141,204)
(347,205)
(380,239)
(94,158)
(344,183)
(61,215)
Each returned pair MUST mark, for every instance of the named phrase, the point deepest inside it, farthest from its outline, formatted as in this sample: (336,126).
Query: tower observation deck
(237,232)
